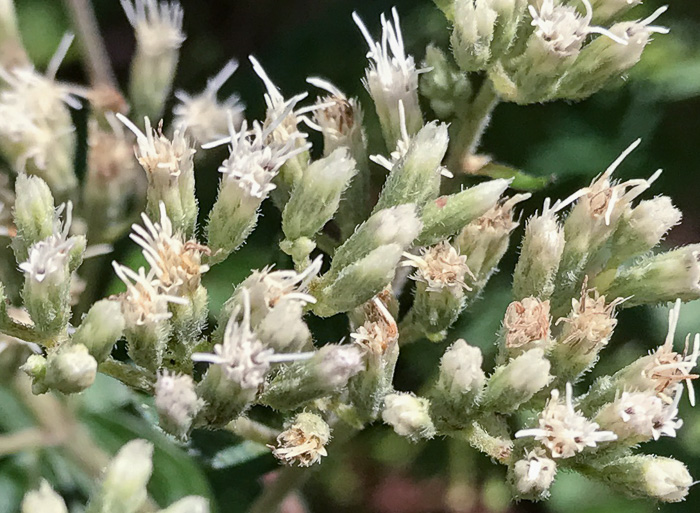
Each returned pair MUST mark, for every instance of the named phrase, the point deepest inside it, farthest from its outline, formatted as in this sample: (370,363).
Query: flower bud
(33,213)
(459,385)
(283,327)
(191,504)
(316,196)
(100,329)
(35,368)
(392,79)
(70,369)
(324,374)
(648,476)
(448,215)
(304,441)
(415,177)
(516,382)
(532,476)
(659,278)
(43,500)
(446,86)
(643,227)
(158,30)
(526,326)
(124,483)
(540,254)
(176,402)
(408,415)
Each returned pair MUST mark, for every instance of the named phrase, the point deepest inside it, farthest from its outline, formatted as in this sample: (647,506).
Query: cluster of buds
(581,259)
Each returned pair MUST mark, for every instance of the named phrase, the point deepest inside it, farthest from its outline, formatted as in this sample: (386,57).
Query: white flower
(565,431)
(563,29)
(337,117)
(164,160)
(203,114)
(440,267)
(144,303)
(461,367)
(638,32)
(158,25)
(49,258)
(176,400)
(534,473)
(408,415)
(176,262)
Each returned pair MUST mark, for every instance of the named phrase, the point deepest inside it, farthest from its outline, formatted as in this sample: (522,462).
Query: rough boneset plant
(354,249)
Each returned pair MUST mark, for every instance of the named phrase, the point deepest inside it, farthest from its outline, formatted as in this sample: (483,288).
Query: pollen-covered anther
(440,267)
(564,431)
(527,321)
(303,443)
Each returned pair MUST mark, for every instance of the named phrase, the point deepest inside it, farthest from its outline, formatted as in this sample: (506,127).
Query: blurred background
(566,144)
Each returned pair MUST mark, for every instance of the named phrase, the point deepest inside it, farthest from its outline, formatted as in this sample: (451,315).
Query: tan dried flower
(527,322)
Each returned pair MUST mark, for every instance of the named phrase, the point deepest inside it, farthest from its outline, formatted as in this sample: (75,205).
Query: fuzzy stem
(474,123)
(29,438)
(131,376)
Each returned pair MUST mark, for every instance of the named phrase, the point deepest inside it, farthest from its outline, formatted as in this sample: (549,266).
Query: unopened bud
(43,500)
(124,483)
(316,196)
(540,254)
(641,228)
(176,402)
(304,440)
(409,416)
(517,382)
(446,86)
(415,178)
(283,327)
(101,328)
(158,29)
(459,385)
(532,476)
(447,215)
(33,213)
(648,476)
(659,278)
(35,368)
(70,369)
(473,33)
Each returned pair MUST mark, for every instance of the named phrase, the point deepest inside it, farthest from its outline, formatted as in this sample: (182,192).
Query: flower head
(203,114)
(304,441)
(380,333)
(176,401)
(440,267)
(176,262)
(144,303)
(534,473)
(565,431)
(527,322)
(563,29)
(158,25)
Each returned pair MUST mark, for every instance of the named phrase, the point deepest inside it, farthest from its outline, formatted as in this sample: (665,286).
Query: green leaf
(521,180)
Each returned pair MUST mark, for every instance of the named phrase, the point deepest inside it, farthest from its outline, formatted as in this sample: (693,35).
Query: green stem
(474,123)
(131,376)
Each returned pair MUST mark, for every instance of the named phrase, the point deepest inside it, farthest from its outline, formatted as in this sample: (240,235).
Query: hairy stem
(474,123)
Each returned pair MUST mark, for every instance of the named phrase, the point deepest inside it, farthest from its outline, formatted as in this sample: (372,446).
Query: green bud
(100,329)
(648,476)
(123,488)
(43,500)
(326,373)
(33,213)
(409,416)
(540,254)
(415,177)
(448,215)
(473,33)
(158,30)
(459,385)
(446,87)
(316,196)
(35,368)
(70,369)
(516,382)
(659,278)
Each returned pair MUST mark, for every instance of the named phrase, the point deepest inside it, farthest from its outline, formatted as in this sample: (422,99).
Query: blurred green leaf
(521,180)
